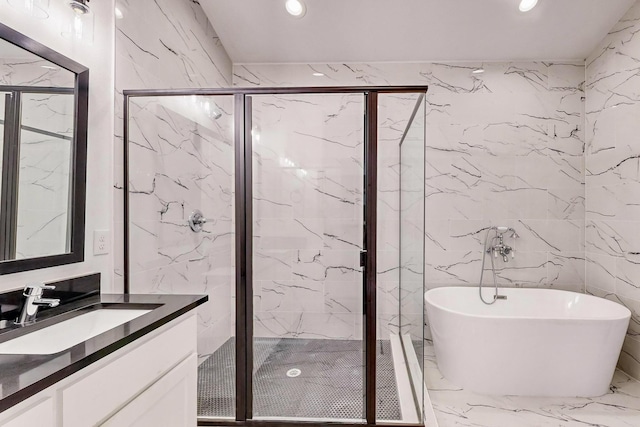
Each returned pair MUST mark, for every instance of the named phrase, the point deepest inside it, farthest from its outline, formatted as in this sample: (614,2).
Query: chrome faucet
(501,248)
(33,301)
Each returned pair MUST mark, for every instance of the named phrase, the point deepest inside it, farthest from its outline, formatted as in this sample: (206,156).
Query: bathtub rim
(626,316)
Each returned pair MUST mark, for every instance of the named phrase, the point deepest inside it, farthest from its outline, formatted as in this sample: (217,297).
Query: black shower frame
(243,230)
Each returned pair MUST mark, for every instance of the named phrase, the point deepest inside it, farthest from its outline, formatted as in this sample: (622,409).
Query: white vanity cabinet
(148,383)
(38,411)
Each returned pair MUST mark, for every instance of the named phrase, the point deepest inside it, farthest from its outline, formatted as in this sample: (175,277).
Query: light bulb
(80,24)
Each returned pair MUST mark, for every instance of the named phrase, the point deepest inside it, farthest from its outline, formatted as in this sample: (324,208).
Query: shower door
(307,176)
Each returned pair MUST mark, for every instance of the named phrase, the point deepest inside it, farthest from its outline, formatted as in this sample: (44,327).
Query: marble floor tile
(454,406)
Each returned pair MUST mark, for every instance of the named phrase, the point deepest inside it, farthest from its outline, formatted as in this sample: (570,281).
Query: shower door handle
(363,258)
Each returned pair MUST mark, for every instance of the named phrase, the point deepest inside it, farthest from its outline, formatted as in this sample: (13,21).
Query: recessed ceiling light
(527,5)
(295,8)
(318,74)
(478,71)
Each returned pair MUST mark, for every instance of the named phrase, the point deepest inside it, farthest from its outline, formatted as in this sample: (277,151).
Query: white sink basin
(66,334)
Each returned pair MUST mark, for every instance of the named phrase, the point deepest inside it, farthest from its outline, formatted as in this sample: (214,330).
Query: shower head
(216,114)
(209,108)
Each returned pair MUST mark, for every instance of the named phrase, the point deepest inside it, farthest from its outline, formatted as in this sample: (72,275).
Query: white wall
(98,57)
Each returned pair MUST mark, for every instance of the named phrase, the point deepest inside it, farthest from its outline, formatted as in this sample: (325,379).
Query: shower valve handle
(196,221)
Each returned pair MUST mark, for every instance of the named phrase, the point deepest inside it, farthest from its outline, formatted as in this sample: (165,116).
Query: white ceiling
(260,31)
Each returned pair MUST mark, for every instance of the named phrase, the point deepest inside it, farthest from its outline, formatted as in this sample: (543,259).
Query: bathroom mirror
(43,141)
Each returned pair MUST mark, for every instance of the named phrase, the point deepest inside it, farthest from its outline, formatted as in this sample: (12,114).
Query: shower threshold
(311,379)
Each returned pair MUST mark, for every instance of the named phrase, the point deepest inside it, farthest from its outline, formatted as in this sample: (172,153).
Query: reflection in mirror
(44,179)
(37,106)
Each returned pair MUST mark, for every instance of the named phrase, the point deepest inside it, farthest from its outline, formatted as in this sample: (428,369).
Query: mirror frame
(79,152)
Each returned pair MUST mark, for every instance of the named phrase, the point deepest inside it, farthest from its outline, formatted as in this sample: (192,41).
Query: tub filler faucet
(495,248)
(33,300)
(501,248)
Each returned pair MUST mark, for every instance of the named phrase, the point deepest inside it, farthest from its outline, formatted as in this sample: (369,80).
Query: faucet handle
(35,289)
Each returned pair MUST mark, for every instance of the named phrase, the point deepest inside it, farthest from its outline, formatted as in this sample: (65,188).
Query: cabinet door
(102,390)
(40,414)
(171,401)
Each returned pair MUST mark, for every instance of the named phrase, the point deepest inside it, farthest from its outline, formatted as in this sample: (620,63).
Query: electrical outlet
(101,242)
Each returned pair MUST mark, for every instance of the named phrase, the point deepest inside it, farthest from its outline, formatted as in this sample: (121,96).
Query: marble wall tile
(273,324)
(629,361)
(181,160)
(291,296)
(612,229)
(324,325)
(33,71)
(183,49)
(341,297)
(388,295)
(566,270)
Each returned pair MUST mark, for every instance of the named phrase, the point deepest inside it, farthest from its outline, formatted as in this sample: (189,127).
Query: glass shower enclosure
(312,251)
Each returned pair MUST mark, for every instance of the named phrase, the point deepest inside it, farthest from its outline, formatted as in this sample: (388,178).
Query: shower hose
(493,269)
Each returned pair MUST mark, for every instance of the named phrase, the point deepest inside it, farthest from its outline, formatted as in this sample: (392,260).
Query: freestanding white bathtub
(537,342)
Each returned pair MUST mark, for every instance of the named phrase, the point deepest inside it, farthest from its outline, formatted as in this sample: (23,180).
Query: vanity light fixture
(527,5)
(295,8)
(80,25)
(81,7)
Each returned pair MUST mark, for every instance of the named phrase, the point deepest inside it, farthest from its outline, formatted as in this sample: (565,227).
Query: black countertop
(22,376)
